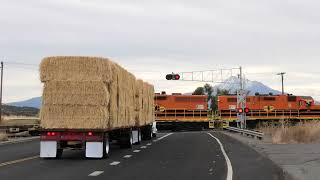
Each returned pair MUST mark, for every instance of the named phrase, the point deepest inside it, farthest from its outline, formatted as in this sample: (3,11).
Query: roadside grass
(286,133)
(3,137)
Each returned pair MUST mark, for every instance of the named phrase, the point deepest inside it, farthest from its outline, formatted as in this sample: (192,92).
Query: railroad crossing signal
(173,76)
(240,110)
(245,110)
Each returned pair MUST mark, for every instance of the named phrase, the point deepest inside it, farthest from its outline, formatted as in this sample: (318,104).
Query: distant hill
(33,102)
(19,111)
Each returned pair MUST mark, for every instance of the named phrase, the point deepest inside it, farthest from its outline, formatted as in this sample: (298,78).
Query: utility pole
(1,91)
(281,74)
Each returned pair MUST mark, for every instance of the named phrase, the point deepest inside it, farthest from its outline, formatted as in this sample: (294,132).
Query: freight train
(181,112)
(270,107)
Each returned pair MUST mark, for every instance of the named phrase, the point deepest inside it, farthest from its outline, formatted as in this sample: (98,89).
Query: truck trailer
(89,102)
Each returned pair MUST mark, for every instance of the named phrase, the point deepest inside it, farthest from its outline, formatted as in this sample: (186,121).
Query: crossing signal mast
(218,76)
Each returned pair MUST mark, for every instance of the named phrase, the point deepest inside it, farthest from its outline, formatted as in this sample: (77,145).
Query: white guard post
(48,149)
(94,149)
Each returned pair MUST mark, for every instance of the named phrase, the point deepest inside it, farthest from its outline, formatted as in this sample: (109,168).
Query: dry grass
(284,133)
(20,121)
(3,137)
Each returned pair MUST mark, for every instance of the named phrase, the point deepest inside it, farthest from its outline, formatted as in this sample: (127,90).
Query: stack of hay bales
(92,93)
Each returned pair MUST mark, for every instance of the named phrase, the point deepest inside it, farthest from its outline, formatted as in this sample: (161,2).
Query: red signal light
(246,110)
(240,110)
(176,77)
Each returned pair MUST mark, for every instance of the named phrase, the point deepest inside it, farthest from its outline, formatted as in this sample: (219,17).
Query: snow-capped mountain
(252,87)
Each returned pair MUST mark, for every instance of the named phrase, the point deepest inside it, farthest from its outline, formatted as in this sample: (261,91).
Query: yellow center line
(18,161)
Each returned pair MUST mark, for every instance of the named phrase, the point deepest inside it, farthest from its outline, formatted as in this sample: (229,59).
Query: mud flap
(48,149)
(94,149)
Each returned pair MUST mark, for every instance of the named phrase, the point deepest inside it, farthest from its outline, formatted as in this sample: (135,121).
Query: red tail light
(51,134)
(90,133)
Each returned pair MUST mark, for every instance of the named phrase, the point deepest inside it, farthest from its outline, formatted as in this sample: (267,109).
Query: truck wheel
(147,133)
(126,141)
(59,153)
(106,146)
(139,137)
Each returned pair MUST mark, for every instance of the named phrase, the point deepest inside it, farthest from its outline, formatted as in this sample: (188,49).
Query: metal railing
(254,134)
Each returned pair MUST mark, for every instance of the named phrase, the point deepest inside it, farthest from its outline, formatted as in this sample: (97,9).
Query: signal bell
(172,76)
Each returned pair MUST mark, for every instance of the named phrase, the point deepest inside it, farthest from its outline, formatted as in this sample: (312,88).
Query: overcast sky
(151,38)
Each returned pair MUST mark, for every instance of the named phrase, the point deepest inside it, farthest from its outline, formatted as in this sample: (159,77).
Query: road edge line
(18,141)
(229,166)
(160,138)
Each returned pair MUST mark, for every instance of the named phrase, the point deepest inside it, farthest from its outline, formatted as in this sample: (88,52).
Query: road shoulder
(298,161)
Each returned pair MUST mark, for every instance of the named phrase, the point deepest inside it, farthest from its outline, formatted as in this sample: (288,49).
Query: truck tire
(126,140)
(59,153)
(154,135)
(140,136)
(147,133)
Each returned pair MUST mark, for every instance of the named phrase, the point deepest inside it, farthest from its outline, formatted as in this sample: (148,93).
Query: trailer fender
(94,149)
(48,149)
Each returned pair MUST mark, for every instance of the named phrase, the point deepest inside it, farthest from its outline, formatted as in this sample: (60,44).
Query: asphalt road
(181,156)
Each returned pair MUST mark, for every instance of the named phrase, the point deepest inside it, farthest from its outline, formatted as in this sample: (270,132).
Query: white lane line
(127,156)
(18,141)
(136,151)
(96,173)
(114,163)
(18,161)
(229,166)
(143,147)
(162,137)
(149,144)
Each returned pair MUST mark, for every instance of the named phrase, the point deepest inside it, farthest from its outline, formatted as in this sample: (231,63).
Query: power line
(20,63)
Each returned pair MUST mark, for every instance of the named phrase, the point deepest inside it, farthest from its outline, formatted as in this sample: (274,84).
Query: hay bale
(76,93)
(74,117)
(138,103)
(149,104)
(114,96)
(131,92)
(91,93)
(75,68)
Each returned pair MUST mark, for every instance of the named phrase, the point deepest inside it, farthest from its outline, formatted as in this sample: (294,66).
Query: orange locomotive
(179,111)
(271,107)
